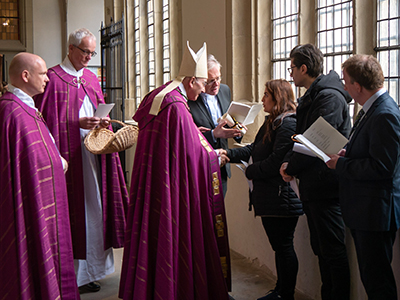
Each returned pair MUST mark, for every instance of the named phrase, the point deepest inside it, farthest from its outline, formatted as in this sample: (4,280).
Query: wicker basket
(104,141)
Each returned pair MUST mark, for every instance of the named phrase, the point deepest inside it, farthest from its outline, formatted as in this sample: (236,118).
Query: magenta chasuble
(60,105)
(176,241)
(36,259)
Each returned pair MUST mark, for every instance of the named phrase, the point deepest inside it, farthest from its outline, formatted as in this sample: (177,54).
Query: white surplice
(98,263)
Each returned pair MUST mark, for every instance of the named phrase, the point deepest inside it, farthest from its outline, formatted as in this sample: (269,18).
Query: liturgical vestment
(36,259)
(176,241)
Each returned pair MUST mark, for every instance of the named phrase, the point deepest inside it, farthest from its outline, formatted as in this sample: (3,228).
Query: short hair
(212,62)
(75,38)
(365,70)
(309,55)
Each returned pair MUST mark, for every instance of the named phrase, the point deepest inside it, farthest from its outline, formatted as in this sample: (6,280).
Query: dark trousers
(374,254)
(280,232)
(327,235)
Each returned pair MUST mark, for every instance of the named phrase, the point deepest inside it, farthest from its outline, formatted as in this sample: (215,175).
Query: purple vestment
(60,105)
(36,260)
(176,242)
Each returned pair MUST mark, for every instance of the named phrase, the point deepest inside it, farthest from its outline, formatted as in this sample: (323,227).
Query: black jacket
(271,196)
(326,97)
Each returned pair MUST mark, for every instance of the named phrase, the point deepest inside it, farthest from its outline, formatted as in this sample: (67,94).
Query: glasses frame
(290,70)
(86,52)
(203,83)
(215,80)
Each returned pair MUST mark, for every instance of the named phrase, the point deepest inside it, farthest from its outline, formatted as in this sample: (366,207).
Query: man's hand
(223,156)
(221,132)
(105,122)
(204,129)
(282,171)
(334,158)
(93,122)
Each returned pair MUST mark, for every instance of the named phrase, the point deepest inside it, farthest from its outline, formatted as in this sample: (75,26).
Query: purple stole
(176,241)
(36,260)
(60,105)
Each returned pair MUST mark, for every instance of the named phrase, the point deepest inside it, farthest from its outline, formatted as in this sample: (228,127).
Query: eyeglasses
(86,52)
(215,80)
(290,70)
(204,83)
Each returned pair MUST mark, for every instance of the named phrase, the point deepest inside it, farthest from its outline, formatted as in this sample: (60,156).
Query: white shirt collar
(183,91)
(24,97)
(68,67)
(372,99)
(210,97)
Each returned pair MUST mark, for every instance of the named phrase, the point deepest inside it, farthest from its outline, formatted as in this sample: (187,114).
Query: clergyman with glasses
(208,108)
(176,246)
(96,187)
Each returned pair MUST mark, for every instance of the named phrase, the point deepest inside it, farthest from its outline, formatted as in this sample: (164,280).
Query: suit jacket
(369,173)
(202,117)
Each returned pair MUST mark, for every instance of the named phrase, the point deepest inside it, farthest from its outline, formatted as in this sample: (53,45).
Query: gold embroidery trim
(224,266)
(215,183)
(205,144)
(219,225)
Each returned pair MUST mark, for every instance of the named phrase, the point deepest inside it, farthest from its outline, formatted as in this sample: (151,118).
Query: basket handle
(119,122)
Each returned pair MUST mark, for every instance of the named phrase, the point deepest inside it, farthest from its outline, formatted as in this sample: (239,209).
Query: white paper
(103,110)
(319,153)
(243,169)
(322,139)
(243,113)
(325,136)
(295,186)
(300,148)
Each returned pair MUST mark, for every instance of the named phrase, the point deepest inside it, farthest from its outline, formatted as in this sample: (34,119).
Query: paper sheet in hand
(322,139)
(243,113)
(249,182)
(103,110)
(295,186)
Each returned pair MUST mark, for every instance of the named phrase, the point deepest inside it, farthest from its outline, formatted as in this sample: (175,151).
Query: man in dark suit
(208,108)
(369,176)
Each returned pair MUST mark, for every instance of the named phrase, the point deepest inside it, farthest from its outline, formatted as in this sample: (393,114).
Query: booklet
(103,110)
(322,139)
(243,113)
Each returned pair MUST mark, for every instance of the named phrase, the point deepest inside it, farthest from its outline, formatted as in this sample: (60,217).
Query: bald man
(36,259)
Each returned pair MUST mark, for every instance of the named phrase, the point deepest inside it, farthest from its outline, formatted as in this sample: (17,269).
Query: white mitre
(193,65)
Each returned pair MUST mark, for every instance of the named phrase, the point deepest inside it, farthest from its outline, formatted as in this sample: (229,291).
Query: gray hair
(212,62)
(75,38)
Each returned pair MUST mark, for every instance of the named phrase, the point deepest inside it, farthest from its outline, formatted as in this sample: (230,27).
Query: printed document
(322,139)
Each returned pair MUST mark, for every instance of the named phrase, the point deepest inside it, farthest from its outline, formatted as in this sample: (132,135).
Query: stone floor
(249,281)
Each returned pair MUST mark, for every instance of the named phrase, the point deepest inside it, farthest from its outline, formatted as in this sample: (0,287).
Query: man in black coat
(210,106)
(319,190)
(369,176)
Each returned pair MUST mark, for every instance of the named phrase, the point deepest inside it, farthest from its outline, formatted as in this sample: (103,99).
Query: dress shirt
(211,102)
(372,99)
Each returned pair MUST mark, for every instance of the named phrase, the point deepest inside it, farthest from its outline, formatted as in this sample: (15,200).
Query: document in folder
(243,113)
(322,139)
